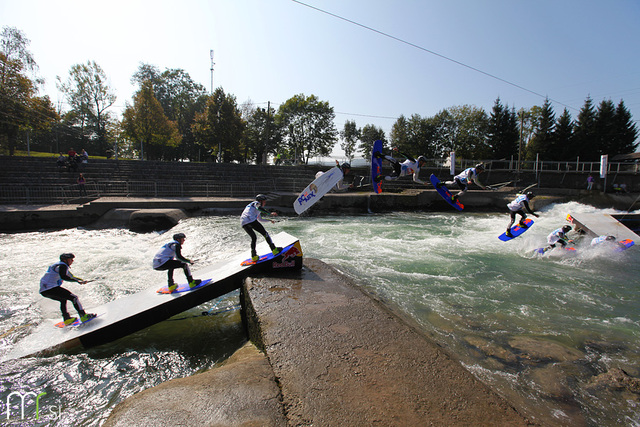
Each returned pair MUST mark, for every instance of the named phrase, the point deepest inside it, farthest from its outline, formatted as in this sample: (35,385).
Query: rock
(537,349)
(491,349)
(552,381)
(145,220)
(616,379)
(240,392)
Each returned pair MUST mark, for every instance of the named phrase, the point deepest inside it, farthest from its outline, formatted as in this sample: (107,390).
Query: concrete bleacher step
(29,176)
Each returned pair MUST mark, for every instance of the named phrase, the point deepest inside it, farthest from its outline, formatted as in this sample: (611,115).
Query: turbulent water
(543,331)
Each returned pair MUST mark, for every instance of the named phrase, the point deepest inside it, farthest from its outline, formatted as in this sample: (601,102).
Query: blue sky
(270,50)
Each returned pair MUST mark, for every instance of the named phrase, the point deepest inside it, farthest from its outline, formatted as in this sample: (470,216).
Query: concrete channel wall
(102,212)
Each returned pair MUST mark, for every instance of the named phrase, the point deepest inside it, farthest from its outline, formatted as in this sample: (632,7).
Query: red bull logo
(288,257)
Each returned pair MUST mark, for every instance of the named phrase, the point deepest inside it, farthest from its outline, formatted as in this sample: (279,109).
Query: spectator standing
(81,182)
(590,182)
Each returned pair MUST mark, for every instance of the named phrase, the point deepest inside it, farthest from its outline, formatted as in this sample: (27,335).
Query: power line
(493,76)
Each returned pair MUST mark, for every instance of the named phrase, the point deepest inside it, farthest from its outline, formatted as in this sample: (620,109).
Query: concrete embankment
(332,355)
(147,214)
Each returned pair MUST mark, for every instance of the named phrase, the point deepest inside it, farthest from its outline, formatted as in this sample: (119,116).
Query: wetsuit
(410,166)
(464,178)
(50,287)
(515,207)
(169,257)
(557,236)
(250,221)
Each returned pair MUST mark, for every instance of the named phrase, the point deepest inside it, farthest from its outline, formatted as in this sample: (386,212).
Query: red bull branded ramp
(126,315)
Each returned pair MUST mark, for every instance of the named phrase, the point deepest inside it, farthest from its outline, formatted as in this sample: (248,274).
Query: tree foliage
(145,123)
(626,131)
(89,97)
(190,123)
(350,135)
(563,136)
(543,139)
(308,127)
(21,109)
(469,129)
(502,132)
(262,135)
(220,126)
(368,135)
(181,99)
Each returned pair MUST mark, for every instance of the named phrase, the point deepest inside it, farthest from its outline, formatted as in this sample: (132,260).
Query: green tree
(563,135)
(416,135)
(219,127)
(527,125)
(445,134)
(146,126)
(368,135)
(604,127)
(469,136)
(90,97)
(262,136)
(542,140)
(181,98)
(626,131)
(20,107)
(502,132)
(307,126)
(350,135)
(584,139)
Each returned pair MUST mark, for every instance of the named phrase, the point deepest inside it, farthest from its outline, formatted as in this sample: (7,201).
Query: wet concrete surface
(333,356)
(342,358)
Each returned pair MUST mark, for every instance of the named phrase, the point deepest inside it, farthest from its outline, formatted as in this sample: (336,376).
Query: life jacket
(166,253)
(518,202)
(51,278)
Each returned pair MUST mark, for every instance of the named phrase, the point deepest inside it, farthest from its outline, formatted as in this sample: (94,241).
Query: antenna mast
(212,64)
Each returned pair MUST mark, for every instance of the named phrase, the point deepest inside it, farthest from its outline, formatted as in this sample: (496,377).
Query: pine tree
(584,143)
(563,137)
(604,130)
(542,141)
(502,133)
(626,131)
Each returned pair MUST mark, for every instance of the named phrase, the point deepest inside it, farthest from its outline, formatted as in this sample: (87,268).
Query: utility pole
(219,143)
(266,145)
(212,64)
(520,146)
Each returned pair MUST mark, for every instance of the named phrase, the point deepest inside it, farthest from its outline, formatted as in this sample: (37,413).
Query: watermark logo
(27,399)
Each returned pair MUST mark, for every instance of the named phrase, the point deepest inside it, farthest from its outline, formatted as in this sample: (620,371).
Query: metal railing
(37,194)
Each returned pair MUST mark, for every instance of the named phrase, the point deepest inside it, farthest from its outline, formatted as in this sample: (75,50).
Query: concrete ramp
(602,224)
(126,315)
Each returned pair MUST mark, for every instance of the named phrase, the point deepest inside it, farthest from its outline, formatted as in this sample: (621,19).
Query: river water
(542,331)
